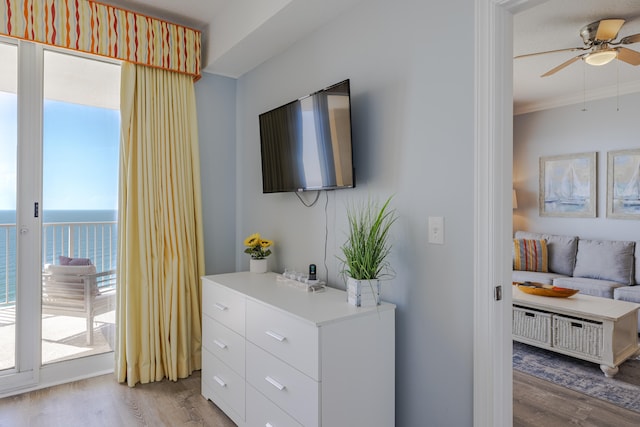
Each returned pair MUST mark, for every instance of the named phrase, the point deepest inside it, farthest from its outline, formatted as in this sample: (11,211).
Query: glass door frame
(28,373)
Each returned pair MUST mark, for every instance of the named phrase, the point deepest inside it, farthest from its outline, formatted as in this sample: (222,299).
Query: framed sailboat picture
(568,185)
(623,184)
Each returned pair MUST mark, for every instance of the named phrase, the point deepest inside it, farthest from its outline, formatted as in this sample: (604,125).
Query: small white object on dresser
(281,356)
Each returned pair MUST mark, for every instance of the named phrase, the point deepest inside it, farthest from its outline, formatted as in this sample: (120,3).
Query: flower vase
(363,293)
(258,265)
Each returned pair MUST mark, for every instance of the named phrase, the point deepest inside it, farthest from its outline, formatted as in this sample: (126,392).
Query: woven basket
(578,336)
(532,325)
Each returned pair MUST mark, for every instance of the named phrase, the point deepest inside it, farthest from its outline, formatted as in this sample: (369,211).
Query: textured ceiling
(556,24)
(238,35)
(192,13)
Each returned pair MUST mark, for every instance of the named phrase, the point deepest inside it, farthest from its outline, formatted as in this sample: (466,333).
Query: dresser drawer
(223,305)
(261,412)
(223,382)
(285,336)
(295,393)
(223,343)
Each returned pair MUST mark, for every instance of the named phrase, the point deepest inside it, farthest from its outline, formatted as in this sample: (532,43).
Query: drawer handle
(276,336)
(219,381)
(275,383)
(220,307)
(220,344)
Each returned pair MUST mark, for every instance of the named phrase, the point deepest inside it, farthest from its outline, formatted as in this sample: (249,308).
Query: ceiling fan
(599,46)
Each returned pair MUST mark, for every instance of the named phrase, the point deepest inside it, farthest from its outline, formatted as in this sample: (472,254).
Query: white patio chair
(77,290)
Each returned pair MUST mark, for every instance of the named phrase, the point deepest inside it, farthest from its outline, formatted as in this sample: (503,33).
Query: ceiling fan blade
(561,66)
(629,56)
(608,29)
(570,49)
(634,38)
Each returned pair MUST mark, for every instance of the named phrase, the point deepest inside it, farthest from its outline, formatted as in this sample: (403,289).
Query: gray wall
(216,103)
(413,127)
(601,128)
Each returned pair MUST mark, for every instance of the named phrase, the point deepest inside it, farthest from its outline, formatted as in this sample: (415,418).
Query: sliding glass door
(59,116)
(20,180)
(8,199)
(81,128)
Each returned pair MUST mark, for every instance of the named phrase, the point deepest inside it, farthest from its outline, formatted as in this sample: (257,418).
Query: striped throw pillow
(530,255)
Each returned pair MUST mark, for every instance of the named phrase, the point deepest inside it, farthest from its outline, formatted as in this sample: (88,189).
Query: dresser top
(316,307)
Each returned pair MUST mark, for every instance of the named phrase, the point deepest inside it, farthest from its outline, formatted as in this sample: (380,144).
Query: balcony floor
(63,337)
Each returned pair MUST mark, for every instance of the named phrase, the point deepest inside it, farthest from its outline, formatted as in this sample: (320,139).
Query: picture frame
(623,184)
(568,185)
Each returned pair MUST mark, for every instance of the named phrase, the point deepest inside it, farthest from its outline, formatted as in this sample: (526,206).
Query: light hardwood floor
(538,403)
(102,401)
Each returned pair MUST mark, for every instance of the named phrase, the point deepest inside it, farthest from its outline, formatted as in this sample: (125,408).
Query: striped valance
(100,29)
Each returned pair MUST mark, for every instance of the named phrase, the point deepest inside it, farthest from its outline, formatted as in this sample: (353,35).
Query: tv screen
(306,144)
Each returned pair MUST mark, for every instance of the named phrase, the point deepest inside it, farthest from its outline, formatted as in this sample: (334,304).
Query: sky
(80,156)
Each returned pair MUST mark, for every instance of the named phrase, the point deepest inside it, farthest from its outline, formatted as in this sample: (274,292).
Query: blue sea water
(94,243)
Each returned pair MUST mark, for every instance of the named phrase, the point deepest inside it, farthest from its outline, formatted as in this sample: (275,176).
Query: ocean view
(75,233)
(9,217)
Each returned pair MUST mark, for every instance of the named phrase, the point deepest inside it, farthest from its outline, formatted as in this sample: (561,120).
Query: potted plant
(259,250)
(365,251)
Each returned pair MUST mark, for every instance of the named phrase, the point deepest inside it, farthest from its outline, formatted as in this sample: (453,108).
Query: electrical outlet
(436,230)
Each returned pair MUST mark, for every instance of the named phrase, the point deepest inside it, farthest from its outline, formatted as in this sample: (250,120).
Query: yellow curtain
(160,239)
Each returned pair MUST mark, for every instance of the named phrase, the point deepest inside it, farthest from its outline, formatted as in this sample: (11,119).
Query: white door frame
(29,374)
(492,372)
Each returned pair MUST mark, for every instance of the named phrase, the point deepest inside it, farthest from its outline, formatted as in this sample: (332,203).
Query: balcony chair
(79,291)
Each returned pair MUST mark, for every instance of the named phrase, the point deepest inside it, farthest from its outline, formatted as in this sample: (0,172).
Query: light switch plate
(436,230)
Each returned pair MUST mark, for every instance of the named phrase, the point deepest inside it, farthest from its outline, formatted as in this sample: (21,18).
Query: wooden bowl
(548,292)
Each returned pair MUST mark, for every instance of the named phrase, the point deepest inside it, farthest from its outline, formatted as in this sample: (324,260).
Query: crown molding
(577,98)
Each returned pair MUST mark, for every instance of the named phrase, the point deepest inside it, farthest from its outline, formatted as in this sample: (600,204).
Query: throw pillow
(64,260)
(605,260)
(561,250)
(530,255)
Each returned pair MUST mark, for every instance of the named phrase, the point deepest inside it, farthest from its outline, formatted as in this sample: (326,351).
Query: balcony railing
(93,240)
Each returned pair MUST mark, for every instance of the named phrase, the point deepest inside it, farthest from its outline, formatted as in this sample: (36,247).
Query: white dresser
(275,355)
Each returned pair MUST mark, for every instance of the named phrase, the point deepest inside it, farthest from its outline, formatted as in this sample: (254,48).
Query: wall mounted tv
(306,144)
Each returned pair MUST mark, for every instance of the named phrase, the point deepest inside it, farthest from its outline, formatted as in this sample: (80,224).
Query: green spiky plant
(367,246)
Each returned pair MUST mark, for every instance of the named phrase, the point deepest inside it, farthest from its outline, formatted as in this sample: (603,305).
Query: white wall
(411,68)
(216,103)
(601,128)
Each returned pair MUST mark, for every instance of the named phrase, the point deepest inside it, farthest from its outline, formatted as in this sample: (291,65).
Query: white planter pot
(258,265)
(363,293)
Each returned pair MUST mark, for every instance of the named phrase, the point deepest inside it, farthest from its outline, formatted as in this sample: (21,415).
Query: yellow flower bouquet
(257,247)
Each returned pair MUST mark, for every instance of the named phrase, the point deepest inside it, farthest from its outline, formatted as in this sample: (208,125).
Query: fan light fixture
(601,57)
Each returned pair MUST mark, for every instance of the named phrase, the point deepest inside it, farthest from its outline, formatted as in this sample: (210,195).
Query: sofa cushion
(561,250)
(531,276)
(66,282)
(65,260)
(606,260)
(627,293)
(69,273)
(530,255)
(586,286)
